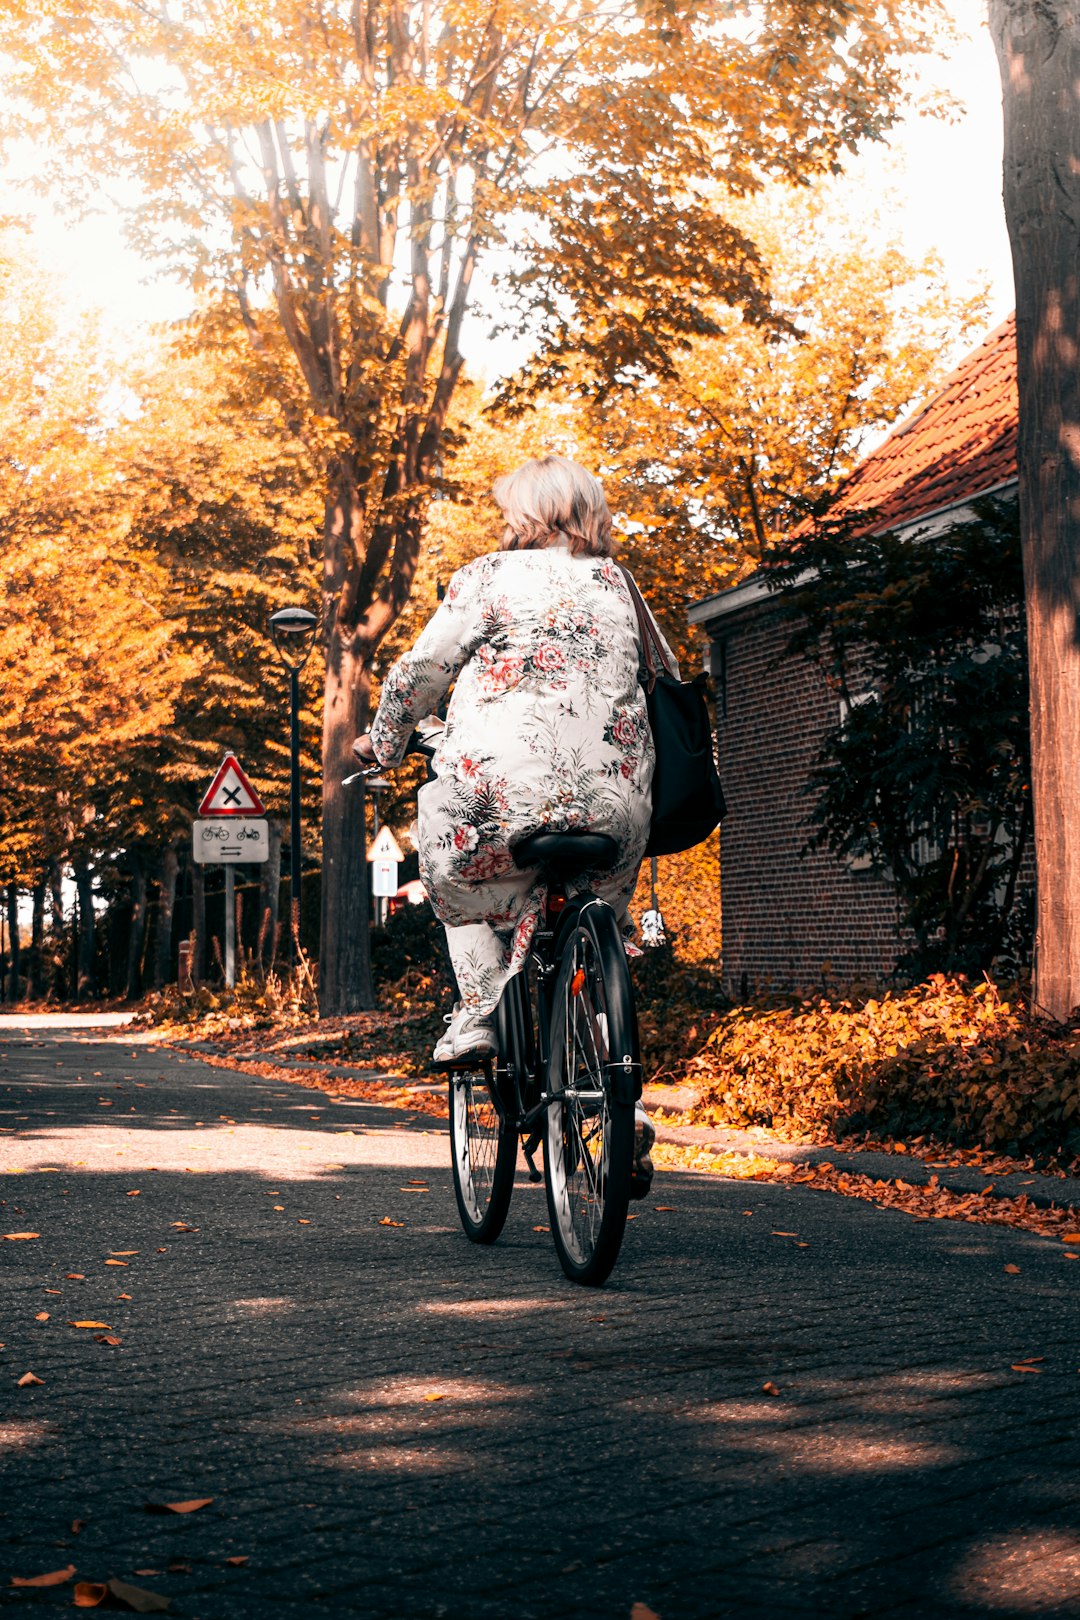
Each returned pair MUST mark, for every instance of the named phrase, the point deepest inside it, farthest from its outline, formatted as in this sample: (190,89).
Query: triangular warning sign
(385,847)
(230,793)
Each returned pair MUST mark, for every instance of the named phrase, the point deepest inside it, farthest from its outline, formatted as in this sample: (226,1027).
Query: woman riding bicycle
(546,729)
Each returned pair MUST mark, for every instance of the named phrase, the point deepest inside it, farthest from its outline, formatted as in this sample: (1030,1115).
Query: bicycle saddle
(566,854)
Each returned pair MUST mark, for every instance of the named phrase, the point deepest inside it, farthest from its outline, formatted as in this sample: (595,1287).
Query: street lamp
(293,632)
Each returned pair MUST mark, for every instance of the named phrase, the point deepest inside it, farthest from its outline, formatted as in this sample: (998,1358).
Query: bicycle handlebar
(417,744)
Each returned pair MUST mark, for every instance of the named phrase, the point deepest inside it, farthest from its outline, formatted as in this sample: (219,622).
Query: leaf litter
(929,1202)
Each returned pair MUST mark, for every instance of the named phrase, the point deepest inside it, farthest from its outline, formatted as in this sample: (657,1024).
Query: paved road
(392,1423)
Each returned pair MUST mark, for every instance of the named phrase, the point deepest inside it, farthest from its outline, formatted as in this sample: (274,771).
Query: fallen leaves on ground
(386,1091)
(55,1577)
(931,1202)
(90,1594)
(769,1388)
(237,1559)
(29,1378)
(105,1325)
(20,1237)
(42,1316)
(192,1505)
(384,1220)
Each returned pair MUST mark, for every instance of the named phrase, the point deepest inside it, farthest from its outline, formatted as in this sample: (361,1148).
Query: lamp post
(293,632)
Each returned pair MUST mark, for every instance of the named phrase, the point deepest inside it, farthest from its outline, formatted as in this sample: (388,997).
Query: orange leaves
(384,1220)
(27,1379)
(1014,1271)
(970,1065)
(20,1237)
(90,1594)
(192,1505)
(55,1577)
(182,1226)
(104,1325)
(769,1388)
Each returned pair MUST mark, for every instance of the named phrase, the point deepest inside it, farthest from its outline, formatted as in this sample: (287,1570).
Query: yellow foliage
(946,1058)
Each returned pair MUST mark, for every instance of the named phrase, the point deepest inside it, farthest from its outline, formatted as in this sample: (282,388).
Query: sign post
(233,831)
(384,855)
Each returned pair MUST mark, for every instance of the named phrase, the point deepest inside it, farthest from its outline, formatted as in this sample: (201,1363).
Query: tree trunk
(170,866)
(14,947)
(58,941)
(87,944)
(345,984)
(1038,46)
(36,974)
(269,894)
(137,929)
(198,921)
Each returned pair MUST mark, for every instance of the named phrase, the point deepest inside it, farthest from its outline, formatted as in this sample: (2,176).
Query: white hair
(550,500)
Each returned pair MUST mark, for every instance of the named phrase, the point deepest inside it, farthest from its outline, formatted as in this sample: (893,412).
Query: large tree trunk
(58,943)
(1038,45)
(137,931)
(14,946)
(170,866)
(87,942)
(345,984)
(269,894)
(36,973)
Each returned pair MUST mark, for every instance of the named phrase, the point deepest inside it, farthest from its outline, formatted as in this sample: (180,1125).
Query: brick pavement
(587,1451)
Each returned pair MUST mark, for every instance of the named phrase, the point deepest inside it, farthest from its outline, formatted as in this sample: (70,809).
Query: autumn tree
(712,460)
(83,637)
(1038,46)
(332,174)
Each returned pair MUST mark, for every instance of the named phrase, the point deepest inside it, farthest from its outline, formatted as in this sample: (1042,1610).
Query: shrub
(411,947)
(945,1059)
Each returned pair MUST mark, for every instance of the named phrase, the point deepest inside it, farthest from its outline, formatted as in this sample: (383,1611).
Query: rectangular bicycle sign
(238,839)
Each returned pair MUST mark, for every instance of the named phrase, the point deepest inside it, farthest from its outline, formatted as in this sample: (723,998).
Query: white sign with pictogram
(230,840)
(385,847)
(230,793)
(384,879)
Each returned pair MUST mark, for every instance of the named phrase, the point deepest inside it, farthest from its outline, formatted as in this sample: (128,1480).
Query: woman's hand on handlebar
(363,751)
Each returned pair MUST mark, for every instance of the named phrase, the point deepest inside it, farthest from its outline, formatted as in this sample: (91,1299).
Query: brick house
(794,921)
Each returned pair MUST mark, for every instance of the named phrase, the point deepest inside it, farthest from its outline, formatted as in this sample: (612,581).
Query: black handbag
(687,799)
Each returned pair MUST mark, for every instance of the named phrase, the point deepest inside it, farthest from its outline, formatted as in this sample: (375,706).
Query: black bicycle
(566,1074)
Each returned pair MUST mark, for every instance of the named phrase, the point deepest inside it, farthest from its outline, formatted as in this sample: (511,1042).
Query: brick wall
(791,921)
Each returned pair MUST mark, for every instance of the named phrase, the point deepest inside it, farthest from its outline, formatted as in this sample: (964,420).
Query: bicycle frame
(519,1088)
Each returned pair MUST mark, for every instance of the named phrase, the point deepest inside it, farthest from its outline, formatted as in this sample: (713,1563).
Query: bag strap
(652,648)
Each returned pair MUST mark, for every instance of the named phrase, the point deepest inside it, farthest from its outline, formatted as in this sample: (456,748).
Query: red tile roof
(958,446)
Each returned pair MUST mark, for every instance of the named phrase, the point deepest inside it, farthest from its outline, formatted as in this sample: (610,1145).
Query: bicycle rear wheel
(589,1134)
(483,1146)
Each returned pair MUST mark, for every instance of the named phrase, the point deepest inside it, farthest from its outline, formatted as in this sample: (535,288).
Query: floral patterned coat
(546,727)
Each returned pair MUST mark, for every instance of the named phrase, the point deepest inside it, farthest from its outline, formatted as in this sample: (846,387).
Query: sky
(937,185)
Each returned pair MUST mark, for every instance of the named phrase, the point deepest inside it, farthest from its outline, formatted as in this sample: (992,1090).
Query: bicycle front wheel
(483,1144)
(589,1134)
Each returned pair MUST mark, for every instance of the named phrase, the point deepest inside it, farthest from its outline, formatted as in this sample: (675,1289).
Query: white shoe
(468,1034)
